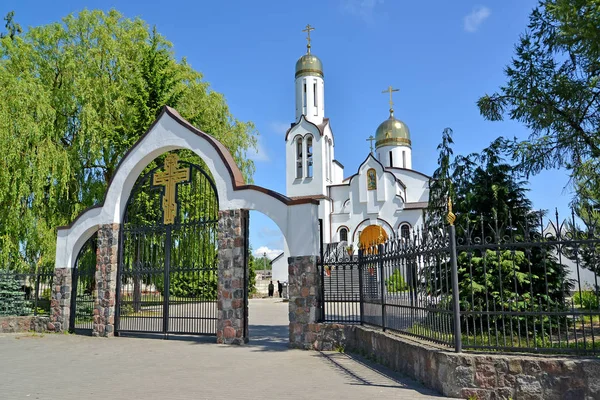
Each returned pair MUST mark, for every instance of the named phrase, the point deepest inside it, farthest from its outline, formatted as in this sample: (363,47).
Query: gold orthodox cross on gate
(169,179)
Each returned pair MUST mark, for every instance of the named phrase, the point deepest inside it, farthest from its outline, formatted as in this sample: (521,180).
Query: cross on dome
(390,90)
(307,30)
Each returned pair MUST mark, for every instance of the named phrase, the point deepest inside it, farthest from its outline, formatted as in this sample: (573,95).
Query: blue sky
(442,55)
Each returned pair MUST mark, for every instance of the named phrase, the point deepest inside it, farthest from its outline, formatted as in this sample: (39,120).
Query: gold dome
(309,64)
(392,132)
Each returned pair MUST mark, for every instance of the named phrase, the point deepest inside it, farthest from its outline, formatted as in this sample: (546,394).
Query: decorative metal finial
(370,139)
(307,30)
(390,90)
(450,217)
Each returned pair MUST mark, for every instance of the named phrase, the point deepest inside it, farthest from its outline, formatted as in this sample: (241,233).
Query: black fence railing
(23,294)
(487,286)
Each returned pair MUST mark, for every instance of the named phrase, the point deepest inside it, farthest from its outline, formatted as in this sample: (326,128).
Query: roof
(320,127)
(277,258)
(417,205)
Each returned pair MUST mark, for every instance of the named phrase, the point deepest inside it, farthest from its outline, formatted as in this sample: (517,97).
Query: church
(384,199)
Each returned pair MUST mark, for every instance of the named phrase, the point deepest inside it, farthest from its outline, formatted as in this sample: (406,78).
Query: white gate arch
(297,219)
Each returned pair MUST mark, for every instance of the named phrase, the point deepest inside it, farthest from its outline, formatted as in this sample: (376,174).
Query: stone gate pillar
(60,305)
(107,256)
(305,301)
(232,322)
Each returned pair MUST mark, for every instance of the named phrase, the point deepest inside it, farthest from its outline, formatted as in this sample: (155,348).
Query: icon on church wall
(371,179)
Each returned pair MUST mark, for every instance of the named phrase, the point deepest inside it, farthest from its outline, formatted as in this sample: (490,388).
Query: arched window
(405,231)
(343,235)
(299,157)
(309,157)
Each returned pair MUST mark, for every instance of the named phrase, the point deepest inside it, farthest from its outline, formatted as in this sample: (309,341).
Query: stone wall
(465,375)
(232,323)
(107,256)
(24,324)
(60,305)
(304,304)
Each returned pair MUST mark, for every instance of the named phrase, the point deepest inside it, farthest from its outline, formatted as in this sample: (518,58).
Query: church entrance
(372,235)
(167,276)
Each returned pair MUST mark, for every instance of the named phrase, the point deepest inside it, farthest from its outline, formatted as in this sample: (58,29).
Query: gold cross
(307,30)
(390,90)
(169,179)
(370,139)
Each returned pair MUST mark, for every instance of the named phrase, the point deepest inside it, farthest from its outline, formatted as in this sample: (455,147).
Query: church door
(168,255)
(372,235)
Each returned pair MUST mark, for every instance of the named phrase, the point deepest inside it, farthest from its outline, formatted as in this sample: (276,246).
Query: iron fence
(483,285)
(25,293)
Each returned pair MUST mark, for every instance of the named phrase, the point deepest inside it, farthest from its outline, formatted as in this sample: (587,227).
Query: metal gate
(83,293)
(168,254)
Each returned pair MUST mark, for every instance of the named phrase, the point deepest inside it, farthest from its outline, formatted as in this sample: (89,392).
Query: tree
(75,96)
(502,263)
(554,89)
(12,28)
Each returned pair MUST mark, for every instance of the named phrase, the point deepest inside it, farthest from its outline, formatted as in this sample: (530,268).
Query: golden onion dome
(392,132)
(309,64)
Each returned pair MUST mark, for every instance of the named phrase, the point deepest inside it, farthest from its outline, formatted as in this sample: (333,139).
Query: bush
(396,282)
(587,299)
(197,285)
(12,298)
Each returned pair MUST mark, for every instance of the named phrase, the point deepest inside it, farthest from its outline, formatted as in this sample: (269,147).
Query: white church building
(384,199)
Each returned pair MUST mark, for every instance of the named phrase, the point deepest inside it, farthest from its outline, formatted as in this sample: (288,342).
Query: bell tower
(310,96)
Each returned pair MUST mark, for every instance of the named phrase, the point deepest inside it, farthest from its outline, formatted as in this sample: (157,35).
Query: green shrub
(587,299)
(396,282)
(197,285)
(12,298)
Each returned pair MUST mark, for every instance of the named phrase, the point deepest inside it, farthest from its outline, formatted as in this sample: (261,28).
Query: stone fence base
(469,375)
(25,324)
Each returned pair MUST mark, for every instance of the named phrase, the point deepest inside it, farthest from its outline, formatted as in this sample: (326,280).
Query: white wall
(383,155)
(381,207)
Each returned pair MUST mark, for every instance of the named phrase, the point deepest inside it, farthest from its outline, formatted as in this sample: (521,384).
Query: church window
(309,157)
(371,179)
(299,158)
(403,159)
(330,149)
(343,235)
(304,96)
(405,231)
(315,96)
(391,160)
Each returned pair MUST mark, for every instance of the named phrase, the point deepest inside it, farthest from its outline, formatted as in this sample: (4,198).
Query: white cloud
(271,253)
(279,128)
(258,154)
(363,9)
(476,18)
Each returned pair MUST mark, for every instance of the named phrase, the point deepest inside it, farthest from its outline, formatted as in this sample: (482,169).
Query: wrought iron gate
(83,293)
(168,258)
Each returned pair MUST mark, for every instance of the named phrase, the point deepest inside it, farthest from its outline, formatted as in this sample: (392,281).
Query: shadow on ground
(262,338)
(360,371)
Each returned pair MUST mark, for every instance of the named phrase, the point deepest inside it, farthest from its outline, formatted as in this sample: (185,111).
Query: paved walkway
(55,366)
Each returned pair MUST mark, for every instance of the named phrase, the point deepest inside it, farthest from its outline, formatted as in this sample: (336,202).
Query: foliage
(12,297)
(251,272)
(75,96)
(395,283)
(587,299)
(492,208)
(263,263)
(196,285)
(553,87)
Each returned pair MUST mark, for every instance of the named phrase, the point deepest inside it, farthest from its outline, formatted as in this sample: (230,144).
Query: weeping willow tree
(76,95)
